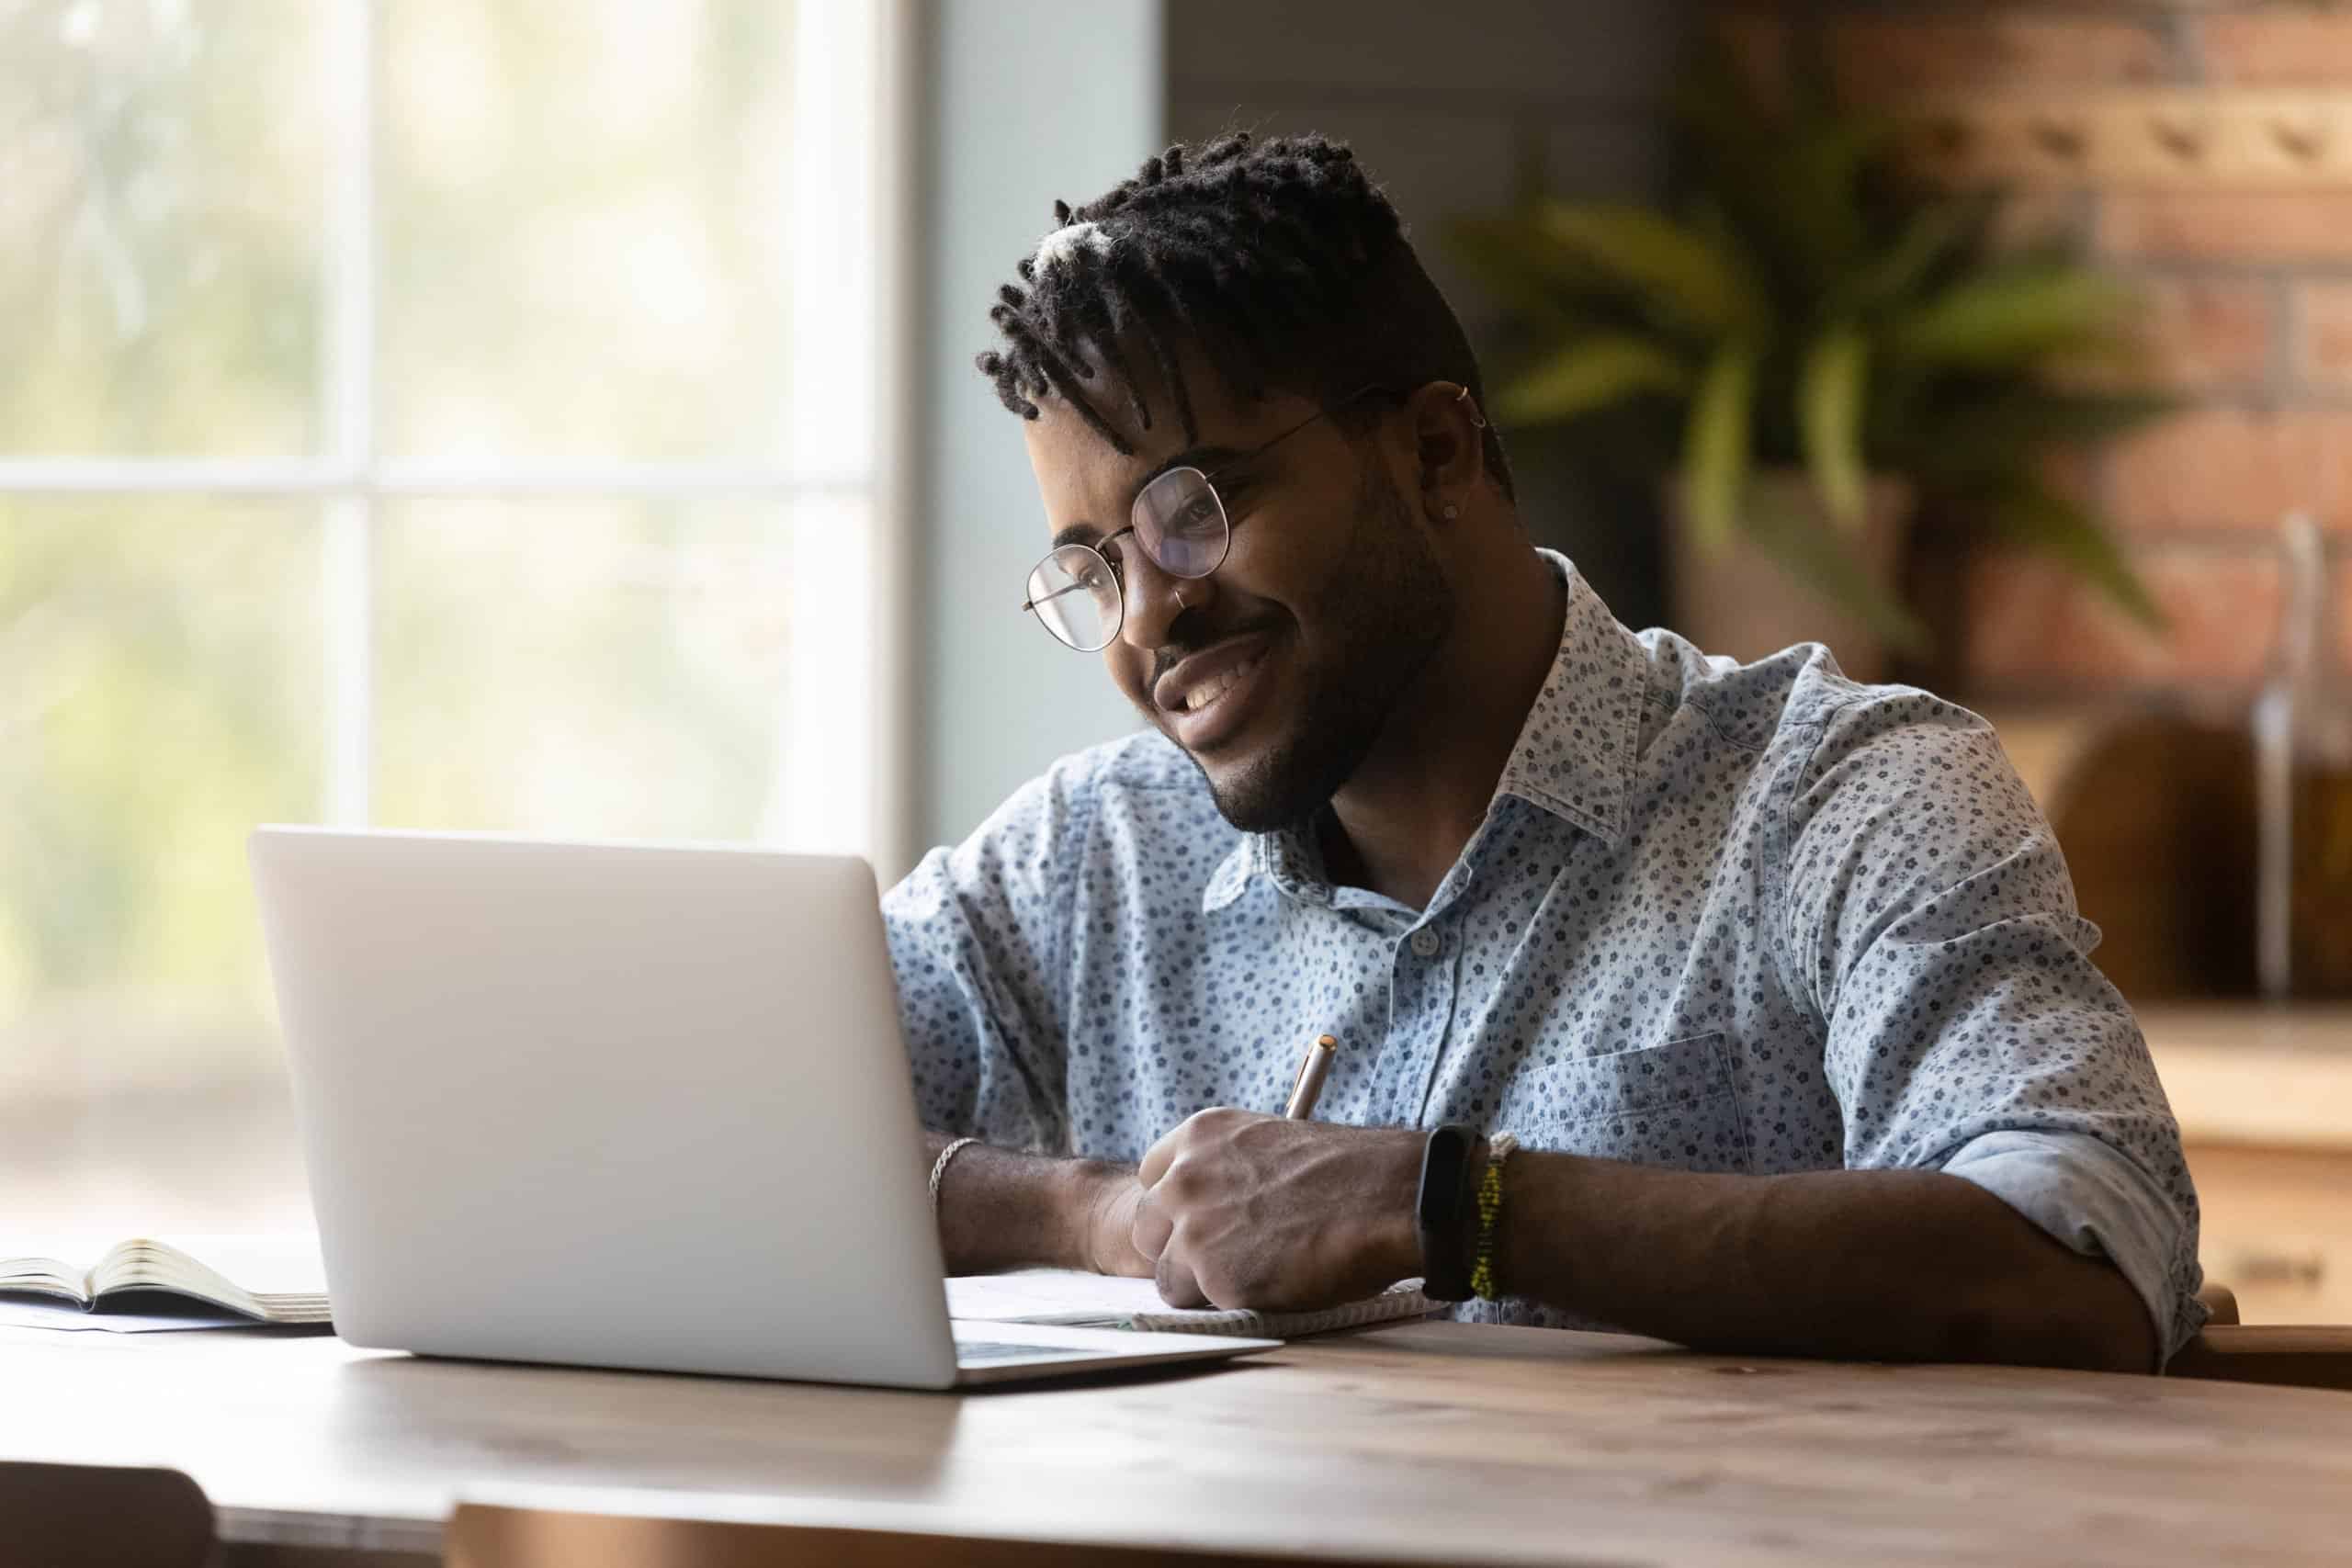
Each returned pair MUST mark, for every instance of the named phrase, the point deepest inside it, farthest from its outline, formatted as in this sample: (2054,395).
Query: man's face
(1277,672)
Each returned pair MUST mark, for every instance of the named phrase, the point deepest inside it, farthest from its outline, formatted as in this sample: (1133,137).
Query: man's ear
(1449,440)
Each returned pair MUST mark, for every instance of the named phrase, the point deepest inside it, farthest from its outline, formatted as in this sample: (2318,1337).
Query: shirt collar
(1574,756)
(1290,858)
(1576,753)
(1233,874)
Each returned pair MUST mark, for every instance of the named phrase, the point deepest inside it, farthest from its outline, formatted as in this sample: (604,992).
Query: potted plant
(1808,350)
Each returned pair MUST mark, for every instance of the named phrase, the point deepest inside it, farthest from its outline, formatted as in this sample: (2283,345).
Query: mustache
(1186,639)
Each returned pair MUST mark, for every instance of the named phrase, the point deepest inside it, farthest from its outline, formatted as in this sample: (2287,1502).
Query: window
(440,414)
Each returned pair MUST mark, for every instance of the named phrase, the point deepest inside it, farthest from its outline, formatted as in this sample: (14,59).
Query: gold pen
(1309,1082)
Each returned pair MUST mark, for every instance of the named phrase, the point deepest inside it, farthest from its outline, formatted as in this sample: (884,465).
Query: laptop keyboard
(968,1351)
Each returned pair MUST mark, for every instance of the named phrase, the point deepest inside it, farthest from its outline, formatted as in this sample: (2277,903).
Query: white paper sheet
(1051,1295)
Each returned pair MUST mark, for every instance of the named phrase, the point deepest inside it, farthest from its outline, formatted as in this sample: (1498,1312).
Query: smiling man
(1740,1005)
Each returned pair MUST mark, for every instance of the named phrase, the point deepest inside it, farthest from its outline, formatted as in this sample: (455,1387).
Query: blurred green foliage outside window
(566,247)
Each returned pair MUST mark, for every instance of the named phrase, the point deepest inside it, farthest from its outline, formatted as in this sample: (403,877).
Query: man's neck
(1402,821)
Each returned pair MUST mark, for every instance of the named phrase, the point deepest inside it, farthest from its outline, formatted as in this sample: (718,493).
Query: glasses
(1178,520)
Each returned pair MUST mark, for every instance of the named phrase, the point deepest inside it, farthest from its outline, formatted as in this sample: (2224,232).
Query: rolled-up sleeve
(2095,1202)
(1930,921)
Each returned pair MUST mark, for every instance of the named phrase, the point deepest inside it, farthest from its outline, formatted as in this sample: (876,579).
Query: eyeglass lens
(1076,595)
(1179,521)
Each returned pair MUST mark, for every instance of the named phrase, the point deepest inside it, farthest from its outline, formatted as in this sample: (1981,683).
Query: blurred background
(557,416)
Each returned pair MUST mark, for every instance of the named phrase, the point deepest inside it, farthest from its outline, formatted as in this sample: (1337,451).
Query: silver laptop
(622,1106)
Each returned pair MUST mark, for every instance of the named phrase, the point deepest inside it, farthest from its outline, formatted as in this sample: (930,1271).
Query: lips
(1205,698)
(1198,680)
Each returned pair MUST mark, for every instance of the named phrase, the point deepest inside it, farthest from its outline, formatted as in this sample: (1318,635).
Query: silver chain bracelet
(939,1168)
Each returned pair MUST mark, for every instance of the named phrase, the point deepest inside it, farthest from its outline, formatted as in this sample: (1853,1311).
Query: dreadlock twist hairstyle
(1278,260)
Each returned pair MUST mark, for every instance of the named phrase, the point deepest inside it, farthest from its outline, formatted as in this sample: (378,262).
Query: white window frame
(841,780)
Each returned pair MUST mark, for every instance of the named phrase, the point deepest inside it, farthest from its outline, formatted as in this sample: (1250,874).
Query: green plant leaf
(1819,201)
(1590,373)
(1827,561)
(1829,414)
(1999,434)
(1936,232)
(1717,445)
(1665,266)
(2032,516)
(1789,169)
(2005,317)
(1526,268)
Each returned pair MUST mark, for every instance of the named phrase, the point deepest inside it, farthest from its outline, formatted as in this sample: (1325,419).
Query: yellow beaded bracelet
(1490,1212)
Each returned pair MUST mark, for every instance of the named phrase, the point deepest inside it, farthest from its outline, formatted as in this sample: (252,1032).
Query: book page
(52,1263)
(44,1276)
(280,1278)
(266,1265)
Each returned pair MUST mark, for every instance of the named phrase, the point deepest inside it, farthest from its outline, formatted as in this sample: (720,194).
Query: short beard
(1384,614)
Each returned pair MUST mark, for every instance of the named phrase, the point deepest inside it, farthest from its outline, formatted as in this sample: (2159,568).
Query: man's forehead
(1080,473)
(1088,487)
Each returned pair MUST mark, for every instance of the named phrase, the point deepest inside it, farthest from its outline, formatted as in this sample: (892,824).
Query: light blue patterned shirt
(1720,917)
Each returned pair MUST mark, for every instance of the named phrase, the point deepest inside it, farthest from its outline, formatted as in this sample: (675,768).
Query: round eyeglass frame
(1085,566)
(1083,559)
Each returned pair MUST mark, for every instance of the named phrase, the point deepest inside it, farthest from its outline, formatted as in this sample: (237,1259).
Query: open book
(1078,1299)
(275,1280)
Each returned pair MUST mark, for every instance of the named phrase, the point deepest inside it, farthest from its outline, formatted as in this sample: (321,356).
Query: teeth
(1208,692)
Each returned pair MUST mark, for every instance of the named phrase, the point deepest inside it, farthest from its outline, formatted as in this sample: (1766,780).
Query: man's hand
(1239,1209)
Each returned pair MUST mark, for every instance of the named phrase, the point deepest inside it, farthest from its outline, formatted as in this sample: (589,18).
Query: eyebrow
(1209,459)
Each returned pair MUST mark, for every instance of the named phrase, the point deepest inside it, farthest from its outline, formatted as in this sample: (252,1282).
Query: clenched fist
(1239,1209)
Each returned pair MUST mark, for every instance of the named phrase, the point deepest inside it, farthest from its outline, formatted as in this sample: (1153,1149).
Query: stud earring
(1451,512)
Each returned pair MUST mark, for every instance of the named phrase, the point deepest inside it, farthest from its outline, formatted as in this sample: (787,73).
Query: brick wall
(2248,277)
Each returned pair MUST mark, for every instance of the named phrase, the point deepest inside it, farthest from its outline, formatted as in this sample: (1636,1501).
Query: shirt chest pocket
(1671,1104)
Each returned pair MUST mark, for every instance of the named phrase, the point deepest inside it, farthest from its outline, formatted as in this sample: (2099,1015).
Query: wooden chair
(491,1536)
(92,1516)
(2300,1354)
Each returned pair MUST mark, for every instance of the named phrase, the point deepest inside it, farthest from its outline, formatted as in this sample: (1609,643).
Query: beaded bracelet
(1490,1212)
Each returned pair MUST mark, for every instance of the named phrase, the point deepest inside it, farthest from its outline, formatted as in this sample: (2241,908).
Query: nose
(1153,601)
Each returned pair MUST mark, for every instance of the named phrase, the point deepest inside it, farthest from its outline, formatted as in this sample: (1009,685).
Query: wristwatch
(1442,1212)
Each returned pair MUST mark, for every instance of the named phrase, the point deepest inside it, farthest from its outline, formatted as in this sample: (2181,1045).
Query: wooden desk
(1426,1443)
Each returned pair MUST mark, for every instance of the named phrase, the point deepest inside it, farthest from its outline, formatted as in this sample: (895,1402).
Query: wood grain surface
(1423,1443)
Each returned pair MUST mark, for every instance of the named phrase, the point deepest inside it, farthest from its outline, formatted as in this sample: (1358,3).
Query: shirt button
(1426,942)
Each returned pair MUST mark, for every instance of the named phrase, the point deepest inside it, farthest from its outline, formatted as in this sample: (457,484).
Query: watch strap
(1441,1212)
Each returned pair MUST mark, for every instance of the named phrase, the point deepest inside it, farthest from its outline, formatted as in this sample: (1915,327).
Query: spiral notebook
(1077,1299)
